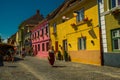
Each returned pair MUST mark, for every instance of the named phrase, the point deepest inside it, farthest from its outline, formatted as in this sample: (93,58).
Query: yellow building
(74,29)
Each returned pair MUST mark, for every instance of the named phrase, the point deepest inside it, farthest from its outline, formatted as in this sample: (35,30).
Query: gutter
(99,21)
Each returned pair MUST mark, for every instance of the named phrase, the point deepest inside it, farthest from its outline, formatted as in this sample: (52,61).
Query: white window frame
(111,3)
(80,15)
(54,27)
(82,43)
(116,36)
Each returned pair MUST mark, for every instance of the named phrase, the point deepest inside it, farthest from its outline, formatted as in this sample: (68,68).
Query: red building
(40,39)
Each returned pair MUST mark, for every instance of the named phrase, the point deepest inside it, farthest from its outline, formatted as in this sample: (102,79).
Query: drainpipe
(101,46)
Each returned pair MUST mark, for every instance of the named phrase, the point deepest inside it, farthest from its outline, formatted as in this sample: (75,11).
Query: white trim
(102,22)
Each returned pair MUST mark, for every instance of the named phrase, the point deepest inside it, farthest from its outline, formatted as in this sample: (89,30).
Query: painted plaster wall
(40,40)
(112,23)
(66,31)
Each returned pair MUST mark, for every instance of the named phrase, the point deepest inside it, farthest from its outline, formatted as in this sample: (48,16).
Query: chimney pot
(38,11)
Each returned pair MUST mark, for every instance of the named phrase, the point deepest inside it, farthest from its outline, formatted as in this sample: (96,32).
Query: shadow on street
(17,59)
(12,66)
(59,66)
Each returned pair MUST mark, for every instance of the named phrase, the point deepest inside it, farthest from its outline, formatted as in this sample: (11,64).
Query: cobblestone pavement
(34,68)
(69,70)
(14,71)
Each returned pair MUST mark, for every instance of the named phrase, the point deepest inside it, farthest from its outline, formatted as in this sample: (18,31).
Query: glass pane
(79,44)
(38,47)
(84,43)
(113,3)
(80,15)
(42,46)
(119,43)
(115,43)
(54,27)
(113,34)
(118,2)
(119,33)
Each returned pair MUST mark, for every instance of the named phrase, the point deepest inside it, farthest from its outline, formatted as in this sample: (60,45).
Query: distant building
(40,39)
(24,31)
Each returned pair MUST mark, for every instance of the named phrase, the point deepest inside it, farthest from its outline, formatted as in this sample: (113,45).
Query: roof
(61,8)
(35,19)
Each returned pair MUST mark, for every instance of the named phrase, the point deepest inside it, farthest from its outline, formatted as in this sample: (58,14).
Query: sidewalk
(68,70)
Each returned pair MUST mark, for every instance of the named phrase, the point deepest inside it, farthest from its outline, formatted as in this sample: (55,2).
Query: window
(101,1)
(54,28)
(113,3)
(42,32)
(46,29)
(38,33)
(65,48)
(116,39)
(35,34)
(32,36)
(82,43)
(118,2)
(47,46)
(38,47)
(43,48)
(80,15)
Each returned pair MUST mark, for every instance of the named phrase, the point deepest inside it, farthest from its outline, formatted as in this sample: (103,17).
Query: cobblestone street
(33,68)
(13,71)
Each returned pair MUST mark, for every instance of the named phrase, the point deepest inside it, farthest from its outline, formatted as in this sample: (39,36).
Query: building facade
(112,13)
(75,31)
(40,39)
(24,31)
(110,28)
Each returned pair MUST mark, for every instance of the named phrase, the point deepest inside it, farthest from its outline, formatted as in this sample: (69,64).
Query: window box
(86,19)
(115,12)
(54,33)
(73,24)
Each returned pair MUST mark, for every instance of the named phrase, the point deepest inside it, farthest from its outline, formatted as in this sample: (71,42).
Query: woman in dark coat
(51,56)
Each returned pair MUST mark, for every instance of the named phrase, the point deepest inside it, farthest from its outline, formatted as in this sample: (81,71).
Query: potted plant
(59,55)
(86,19)
(73,24)
(65,55)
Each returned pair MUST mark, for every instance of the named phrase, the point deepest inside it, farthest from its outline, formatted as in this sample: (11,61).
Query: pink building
(40,39)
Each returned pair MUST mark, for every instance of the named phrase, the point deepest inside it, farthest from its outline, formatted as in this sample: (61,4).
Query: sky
(14,12)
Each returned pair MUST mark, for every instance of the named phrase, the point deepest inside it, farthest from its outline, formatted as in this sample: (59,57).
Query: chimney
(38,12)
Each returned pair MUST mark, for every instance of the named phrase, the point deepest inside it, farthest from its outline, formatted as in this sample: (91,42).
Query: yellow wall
(112,22)
(66,31)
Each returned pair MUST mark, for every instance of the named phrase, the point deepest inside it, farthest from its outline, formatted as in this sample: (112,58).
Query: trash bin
(1,60)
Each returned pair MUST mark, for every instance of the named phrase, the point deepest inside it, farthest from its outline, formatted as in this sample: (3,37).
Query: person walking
(51,56)
(1,60)
(23,53)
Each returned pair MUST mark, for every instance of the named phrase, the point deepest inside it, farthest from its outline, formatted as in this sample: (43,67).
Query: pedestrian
(51,55)
(23,53)
(1,60)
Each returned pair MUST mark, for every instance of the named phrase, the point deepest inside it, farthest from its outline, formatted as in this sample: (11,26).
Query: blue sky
(13,12)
